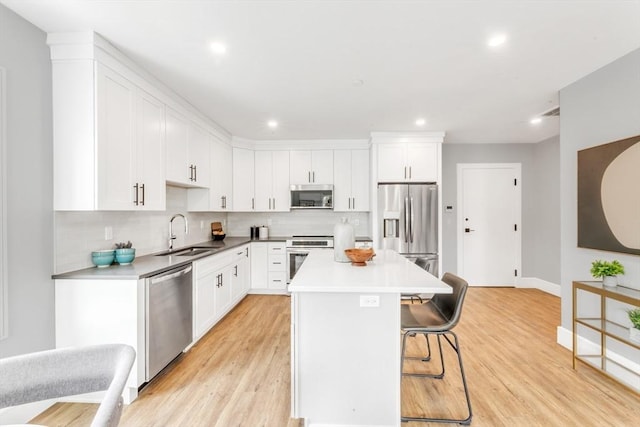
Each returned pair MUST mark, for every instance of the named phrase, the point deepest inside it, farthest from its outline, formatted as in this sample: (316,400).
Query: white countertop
(388,272)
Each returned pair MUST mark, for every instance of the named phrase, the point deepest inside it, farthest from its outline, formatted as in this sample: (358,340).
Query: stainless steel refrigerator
(408,221)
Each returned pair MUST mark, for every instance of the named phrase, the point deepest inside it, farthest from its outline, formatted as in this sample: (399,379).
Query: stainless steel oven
(298,248)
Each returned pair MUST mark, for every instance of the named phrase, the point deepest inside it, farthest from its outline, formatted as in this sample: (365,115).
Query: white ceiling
(297,61)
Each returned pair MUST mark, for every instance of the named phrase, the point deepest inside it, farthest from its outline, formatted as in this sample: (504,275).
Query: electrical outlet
(356,222)
(201,224)
(369,301)
(108,233)
(224,222)
(269,222)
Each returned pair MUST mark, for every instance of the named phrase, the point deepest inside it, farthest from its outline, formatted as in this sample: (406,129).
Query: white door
(489,223)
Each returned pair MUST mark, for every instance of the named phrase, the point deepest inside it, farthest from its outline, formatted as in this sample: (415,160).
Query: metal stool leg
(456,347)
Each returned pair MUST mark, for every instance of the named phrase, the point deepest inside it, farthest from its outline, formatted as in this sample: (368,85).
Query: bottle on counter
(343,238)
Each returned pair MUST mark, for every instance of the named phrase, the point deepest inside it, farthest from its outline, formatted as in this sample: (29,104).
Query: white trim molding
(4,283)
(564,337)
(536,283)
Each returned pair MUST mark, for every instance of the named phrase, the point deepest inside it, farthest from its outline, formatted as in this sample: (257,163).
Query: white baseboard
(21,414)
(543,285)
(564,337)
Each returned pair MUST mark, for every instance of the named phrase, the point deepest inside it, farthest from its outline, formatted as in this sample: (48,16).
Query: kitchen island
(345,338)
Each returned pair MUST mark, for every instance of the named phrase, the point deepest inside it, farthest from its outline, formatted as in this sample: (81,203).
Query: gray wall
(25,56)
(599,108)
(539,200)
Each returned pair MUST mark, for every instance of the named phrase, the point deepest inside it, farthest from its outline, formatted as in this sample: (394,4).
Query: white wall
(599,108)
(24,54)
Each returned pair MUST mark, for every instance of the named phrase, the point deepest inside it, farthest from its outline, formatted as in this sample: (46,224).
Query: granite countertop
(151,264)
(387,272)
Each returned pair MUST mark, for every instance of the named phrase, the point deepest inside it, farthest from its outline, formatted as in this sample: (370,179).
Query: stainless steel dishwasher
(169,310)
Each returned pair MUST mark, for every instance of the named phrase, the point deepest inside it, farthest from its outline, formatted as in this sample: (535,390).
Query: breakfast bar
(345,337)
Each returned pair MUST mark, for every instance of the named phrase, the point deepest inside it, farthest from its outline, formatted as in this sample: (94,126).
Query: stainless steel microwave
(312,196)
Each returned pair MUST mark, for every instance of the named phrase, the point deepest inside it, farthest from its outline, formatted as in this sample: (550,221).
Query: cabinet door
(259,265)
(221,176)
(391,163)
(280,192)
(422,160)
(150,153)
(263,180)
(322,167)
(115,141)
(243,180)
(240,275)
(204,303)
(342,177)
(300,167)
(223,291)
(199,149)
(360,180)
(176,134)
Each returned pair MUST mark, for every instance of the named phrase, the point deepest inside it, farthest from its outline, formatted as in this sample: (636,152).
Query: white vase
(610,281)
(634,334)
(343,238)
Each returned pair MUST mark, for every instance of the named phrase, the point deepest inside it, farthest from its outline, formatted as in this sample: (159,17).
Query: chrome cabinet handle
(253,203)
(314,176)
(142,187)
(274,203)
(309,176)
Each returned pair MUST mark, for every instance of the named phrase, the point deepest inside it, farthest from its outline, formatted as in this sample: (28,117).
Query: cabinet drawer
(277,262)
(277,280)
(277,248)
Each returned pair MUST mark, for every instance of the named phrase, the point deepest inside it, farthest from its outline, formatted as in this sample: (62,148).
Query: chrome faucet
(172,236)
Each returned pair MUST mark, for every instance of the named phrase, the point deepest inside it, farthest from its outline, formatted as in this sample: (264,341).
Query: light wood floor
(238,374)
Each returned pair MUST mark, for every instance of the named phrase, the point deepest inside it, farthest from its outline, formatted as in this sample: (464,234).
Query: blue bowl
(102,259)
(125,256)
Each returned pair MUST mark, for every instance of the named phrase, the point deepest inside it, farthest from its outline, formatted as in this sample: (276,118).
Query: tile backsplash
(301,222)
(77,234)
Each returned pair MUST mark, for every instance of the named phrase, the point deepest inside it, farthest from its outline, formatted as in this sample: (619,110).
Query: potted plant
(634,330)
(607,270)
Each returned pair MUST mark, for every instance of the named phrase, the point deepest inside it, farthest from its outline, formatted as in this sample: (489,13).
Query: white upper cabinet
(271,181)
(116,99)
(108,134)
(221,176)
(351,177)
(199,146)
(177,134)
(243,180)
(408,162)
(188,150)
(311,167)
(150,153)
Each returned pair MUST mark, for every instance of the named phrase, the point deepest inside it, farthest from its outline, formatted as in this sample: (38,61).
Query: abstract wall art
(609,196)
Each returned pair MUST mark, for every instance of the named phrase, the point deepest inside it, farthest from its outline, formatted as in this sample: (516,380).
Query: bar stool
(438,316)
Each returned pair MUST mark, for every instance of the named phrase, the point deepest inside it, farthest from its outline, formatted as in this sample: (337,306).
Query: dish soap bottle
(343,238)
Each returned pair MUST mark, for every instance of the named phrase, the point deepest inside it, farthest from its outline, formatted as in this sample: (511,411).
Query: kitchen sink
(185,252)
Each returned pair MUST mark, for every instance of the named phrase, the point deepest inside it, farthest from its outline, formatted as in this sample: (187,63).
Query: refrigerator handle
(411,220)
(406,219)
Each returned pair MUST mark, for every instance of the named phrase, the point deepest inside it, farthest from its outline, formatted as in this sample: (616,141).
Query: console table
(606,328)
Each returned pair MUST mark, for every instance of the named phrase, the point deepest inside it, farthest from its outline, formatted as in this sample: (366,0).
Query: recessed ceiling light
(272,124)
(420,122)
(357,82)
(218,48)
(497,40)
(535,120)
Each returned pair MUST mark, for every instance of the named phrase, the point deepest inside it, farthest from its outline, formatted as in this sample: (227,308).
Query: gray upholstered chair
(438,316)
(65,372)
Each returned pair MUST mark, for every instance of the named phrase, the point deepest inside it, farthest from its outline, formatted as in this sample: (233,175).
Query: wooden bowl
(359,256)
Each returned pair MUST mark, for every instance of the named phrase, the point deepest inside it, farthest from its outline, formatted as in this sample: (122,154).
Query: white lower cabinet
(268,268)
(92,312)
(220,282)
